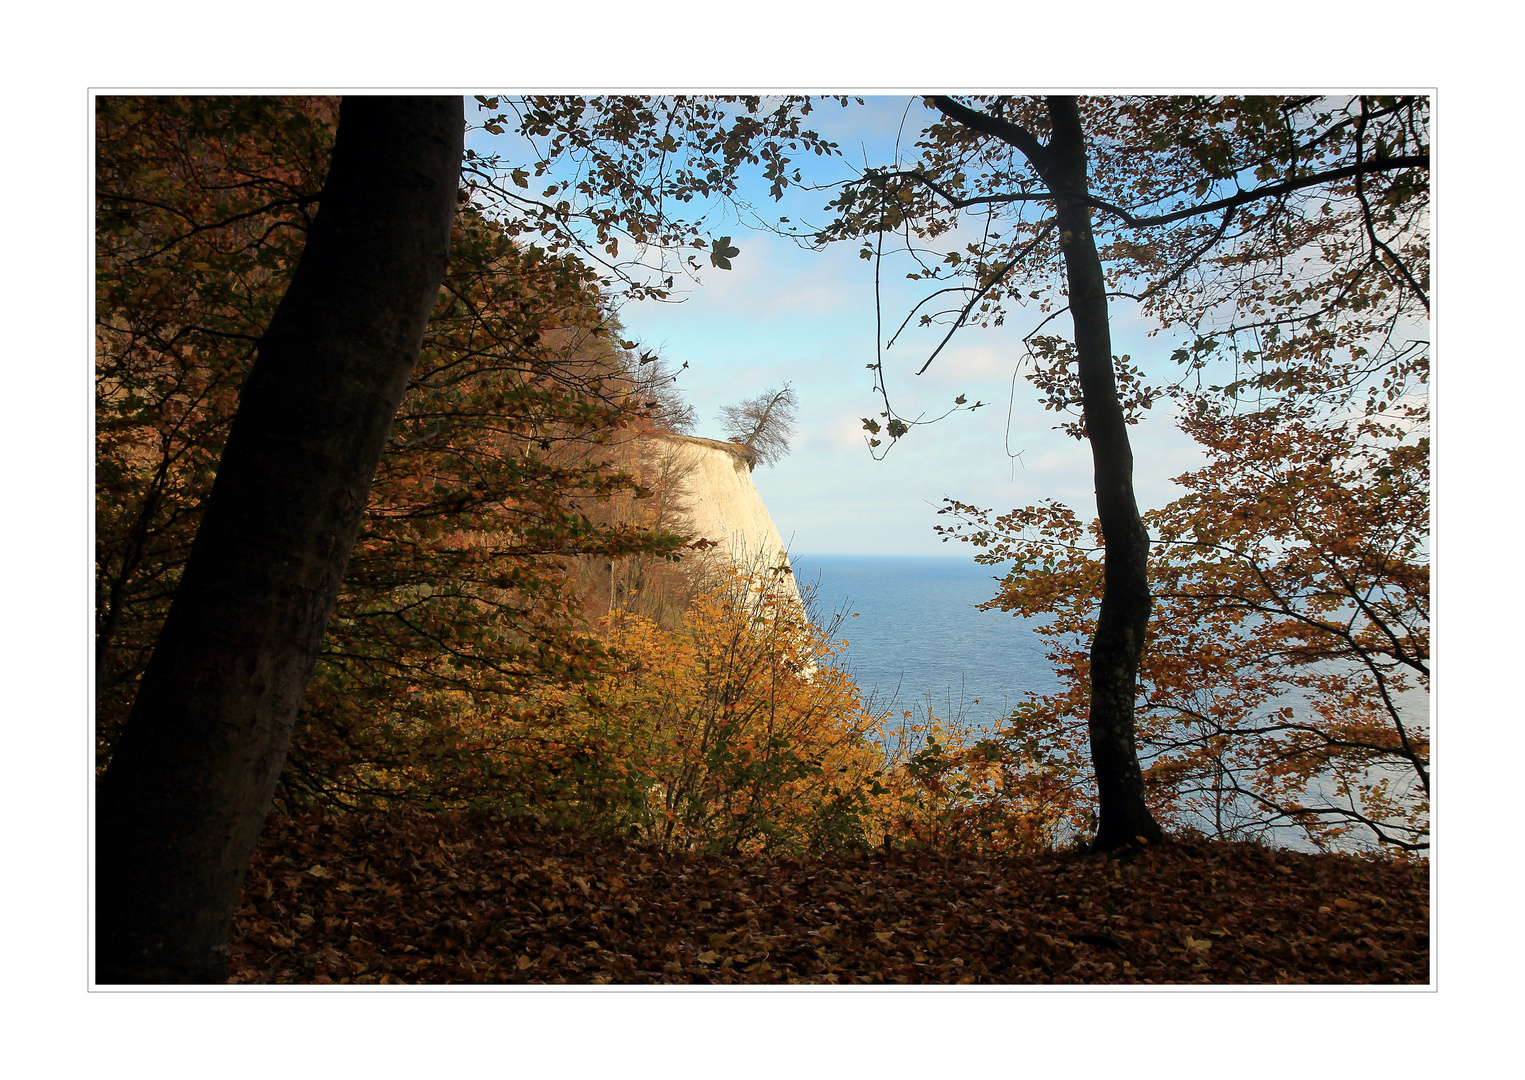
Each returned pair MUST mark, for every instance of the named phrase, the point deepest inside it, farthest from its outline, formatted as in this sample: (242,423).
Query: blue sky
(807,317)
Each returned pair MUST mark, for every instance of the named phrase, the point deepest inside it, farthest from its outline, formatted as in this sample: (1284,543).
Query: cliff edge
(719,502)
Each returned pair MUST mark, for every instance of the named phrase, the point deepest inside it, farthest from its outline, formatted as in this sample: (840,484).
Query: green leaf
(723,252)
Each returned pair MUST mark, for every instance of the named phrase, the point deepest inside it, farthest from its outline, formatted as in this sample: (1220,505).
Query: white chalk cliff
(717,499)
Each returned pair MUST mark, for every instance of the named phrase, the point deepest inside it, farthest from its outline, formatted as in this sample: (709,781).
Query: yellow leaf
(708,956)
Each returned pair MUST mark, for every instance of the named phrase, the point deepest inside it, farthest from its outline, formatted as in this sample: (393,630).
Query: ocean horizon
(918,637)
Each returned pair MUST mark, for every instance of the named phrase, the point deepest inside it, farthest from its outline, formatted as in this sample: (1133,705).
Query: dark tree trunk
(1119,642)
(183,799)
(1125,602)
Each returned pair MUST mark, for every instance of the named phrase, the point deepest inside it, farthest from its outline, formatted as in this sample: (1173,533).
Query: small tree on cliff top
(763,424)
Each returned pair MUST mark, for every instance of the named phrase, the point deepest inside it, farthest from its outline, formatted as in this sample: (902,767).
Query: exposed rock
(718,501)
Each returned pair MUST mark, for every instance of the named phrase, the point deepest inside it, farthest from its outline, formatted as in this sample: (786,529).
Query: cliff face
(717,499)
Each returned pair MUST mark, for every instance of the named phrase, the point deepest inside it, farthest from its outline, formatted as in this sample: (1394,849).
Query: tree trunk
(1125,601)
(184,797)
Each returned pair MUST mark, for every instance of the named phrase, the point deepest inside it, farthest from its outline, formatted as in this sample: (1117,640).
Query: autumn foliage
(461,585)
(466,664)
(1291,614)
(750,737)
(202,206)
(551,740)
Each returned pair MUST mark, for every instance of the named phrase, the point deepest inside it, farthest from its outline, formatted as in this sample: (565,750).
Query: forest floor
(407,897)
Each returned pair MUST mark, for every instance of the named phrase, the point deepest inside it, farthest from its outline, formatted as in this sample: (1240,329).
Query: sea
(916,637)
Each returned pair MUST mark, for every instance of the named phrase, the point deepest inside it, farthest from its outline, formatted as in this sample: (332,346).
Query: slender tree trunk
(183,799)
(1125,601)
(1119,642)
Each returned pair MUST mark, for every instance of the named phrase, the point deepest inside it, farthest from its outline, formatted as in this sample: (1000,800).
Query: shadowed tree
(190,780)
(1119,640)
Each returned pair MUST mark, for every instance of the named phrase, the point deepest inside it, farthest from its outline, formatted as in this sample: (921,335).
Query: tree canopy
(1287,236)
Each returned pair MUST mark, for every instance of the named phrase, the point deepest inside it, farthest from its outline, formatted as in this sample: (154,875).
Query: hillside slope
(410,897)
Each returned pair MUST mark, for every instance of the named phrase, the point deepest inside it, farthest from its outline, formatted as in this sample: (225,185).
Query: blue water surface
(919,637)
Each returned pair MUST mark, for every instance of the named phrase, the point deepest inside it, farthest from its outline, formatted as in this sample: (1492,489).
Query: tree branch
(1286,187)
(1000,273)
(1009,133)
(1037,155)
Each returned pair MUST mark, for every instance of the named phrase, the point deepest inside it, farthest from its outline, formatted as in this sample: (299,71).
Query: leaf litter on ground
(408,897)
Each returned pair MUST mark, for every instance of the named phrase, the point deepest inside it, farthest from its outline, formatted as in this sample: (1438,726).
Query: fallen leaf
(441,898)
